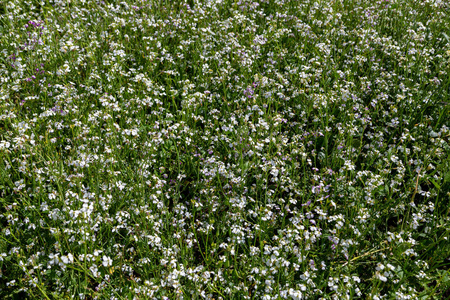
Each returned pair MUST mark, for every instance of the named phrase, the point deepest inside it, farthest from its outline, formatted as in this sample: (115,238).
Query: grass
(224,149)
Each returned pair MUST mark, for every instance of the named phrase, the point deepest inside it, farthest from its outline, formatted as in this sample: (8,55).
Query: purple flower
(307,203)
(249,92)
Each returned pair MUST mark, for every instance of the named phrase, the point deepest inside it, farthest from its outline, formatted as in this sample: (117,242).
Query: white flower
(348,165)
(67,259)
(94,270)
(106,261)
(4,145)
(296,295)
(381,277)
(11,283)
(120,185)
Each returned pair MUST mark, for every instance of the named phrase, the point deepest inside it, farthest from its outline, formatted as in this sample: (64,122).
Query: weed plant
(226,149)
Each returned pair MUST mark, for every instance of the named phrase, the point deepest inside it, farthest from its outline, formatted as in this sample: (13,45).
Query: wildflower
(106,262)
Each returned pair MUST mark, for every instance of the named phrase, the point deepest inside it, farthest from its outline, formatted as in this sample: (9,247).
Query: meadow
(225,149)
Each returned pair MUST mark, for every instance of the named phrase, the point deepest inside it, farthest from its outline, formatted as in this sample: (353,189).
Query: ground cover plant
(225,149)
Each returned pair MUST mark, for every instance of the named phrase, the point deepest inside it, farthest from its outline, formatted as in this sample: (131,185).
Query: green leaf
(447,177)
(435,183)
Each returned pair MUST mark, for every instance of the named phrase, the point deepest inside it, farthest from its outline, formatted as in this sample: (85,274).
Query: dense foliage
(224,149)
